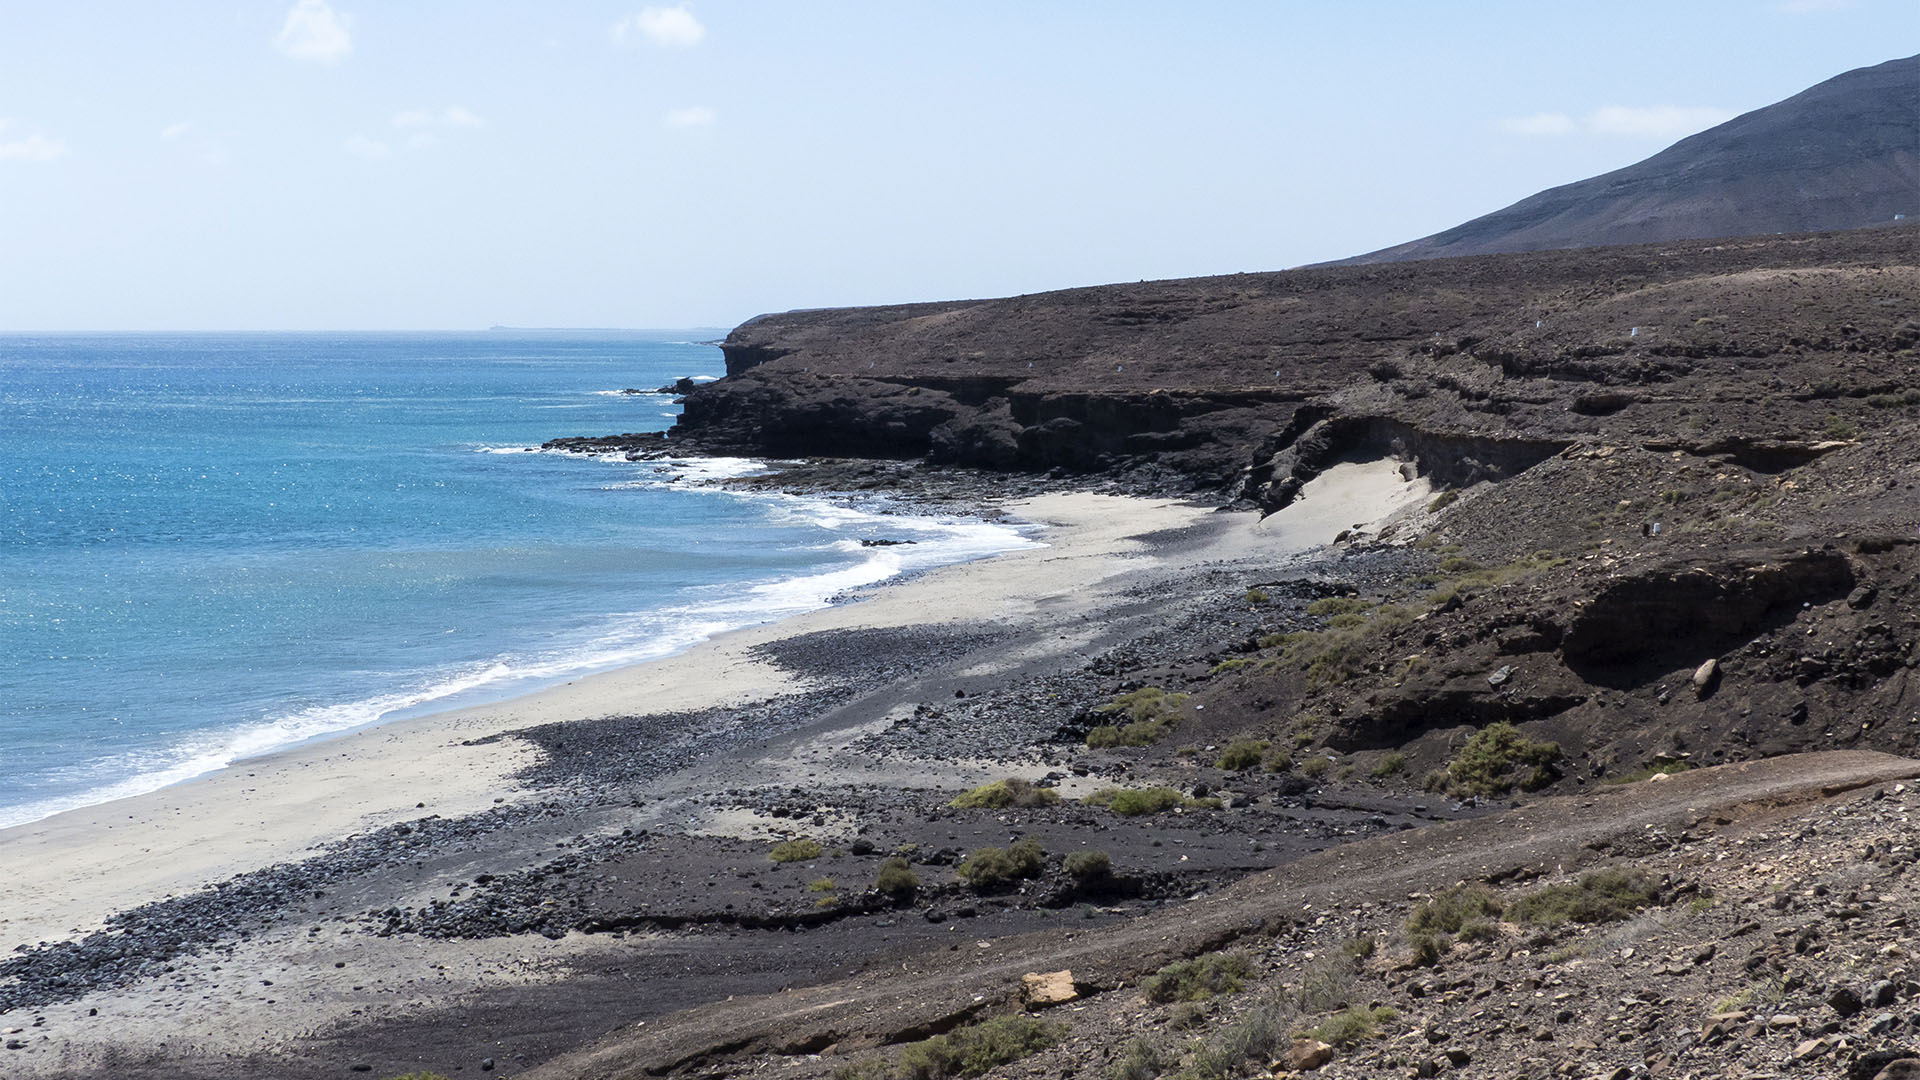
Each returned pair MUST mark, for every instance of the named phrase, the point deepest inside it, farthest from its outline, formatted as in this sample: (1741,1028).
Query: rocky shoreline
(655,828)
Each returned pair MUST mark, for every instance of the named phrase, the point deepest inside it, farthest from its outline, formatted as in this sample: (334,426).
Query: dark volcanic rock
(1838,156)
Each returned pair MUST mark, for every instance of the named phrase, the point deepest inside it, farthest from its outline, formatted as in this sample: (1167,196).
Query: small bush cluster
(799,849)
(1242,754)
(1089,866)
(1327,985)
(1142,1060)
(1002,794)
(1606,895)
(1392,763)
(896,879)
(1135,802)
(1247,1044)
(1349,1027)
(967,1051)
(1199,978)
(1150,714)
(1448,911)
(1496,760)
(1234,663)
(991,866)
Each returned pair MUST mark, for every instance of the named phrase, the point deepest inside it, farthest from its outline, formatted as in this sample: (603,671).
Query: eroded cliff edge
(1475,368)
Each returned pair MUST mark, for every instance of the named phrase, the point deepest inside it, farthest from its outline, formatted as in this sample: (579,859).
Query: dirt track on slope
(938,990)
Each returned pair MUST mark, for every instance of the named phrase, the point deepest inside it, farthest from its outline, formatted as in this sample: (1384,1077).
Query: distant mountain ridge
(1841,155)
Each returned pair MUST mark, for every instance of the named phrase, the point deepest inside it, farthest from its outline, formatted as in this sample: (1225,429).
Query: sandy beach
(68,874)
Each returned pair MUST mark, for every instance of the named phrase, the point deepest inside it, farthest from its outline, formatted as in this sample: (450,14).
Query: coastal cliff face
(1248,385)
(1645,457)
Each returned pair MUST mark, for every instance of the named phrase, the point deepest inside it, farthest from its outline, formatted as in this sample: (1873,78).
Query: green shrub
(1449,910)
(1199,978)
(1231,664)
(1315,767)
(1327,985)
(896,879)
(1393,763)
(1242,754)
(1479,930)
(1134,802)
(1257,596)
(1279,761)
(966,1051)
(1360,948)
(1242,1047)
(824,884)
(1150,714)
(1353,1025)
(1328,606)
(1442,501)
(1909,396)
(799,849)
(990,866)
(1142,1060)
(1606,895)
(1427,949)
(1001,794)
(1458,564)
(1146,703)
(1498,758)
(1838,427)
(1088,866)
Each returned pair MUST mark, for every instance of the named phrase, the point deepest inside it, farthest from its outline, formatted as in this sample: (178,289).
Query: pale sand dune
(67,873)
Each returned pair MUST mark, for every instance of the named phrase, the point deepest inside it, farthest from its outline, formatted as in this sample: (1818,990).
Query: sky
(432,164)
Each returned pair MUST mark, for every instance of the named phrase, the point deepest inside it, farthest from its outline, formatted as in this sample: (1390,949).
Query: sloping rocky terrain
(1840,155)
(1673,538)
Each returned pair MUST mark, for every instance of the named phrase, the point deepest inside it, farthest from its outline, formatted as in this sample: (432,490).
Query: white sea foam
(623,638)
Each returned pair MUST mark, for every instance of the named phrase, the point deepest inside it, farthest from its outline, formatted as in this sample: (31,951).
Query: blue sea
(213,546)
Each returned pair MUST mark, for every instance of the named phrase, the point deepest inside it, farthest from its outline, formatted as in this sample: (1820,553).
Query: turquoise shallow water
(212,546)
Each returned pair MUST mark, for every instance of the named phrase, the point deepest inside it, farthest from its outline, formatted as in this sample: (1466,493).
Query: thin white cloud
(1647,122)
(690,117)
(362,147)
(1546,123)
(426,125)
(34,148)
(314,31)
(667,27)
(1656,121)
(175,131)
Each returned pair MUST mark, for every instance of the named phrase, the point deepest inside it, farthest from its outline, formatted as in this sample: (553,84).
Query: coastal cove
(1048,608)
(219,545)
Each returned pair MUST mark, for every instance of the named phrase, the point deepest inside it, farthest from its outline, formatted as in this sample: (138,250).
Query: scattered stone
(1810,1049)
(1500,677)
(1844,1001)
(1042,989)
(1705,675)
(1308,1055)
